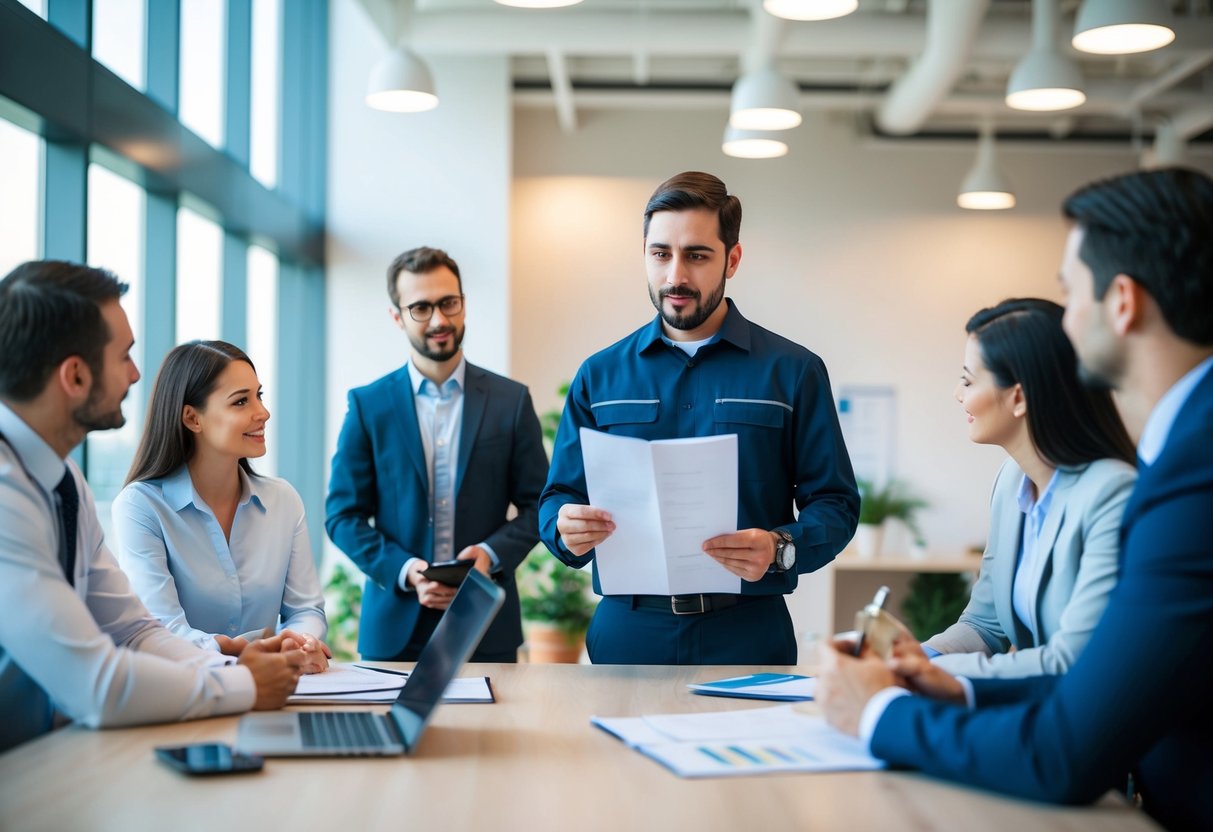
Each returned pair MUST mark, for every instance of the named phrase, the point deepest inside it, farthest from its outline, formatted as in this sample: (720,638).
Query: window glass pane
(199,276)
(21,206)
(261,343)
(203,58)
(38,7)
(116,209)
(267,53)
(118,36)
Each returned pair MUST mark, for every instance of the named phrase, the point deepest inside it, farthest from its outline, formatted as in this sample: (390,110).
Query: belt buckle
(674,599)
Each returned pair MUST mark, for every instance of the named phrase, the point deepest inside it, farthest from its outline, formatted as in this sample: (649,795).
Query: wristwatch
(785,551)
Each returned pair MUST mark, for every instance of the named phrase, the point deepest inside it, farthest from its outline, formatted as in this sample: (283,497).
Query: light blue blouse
(179,562)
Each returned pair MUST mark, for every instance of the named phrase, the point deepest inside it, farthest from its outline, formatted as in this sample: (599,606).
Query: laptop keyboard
(322,729)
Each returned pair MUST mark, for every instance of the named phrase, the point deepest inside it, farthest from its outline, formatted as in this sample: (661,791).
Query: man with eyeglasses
(429,460)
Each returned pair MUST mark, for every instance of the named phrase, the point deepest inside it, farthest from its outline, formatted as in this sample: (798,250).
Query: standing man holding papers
(701,369)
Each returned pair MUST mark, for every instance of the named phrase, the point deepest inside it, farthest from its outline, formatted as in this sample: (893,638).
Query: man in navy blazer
(429,461)
(1138,278)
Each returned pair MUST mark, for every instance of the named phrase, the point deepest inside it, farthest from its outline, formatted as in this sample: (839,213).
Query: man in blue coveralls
(701,369)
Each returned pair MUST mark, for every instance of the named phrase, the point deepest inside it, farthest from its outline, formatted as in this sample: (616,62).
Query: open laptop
(365,734)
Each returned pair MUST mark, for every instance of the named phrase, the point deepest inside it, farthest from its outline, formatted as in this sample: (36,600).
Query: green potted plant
(556,607)
(343,607)
(878,504)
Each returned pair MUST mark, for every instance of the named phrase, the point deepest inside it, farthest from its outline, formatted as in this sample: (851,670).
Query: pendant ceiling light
(1122,27)
(401,83)
(764,100)
(753,144)
(985,188)
(808,9)
(1045,80)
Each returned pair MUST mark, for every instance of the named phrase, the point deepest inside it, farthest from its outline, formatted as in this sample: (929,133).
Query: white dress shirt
(200,584)
(91,651)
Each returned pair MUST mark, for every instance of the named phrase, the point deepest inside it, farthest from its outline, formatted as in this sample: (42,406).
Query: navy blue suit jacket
(379,475)
(1138,697)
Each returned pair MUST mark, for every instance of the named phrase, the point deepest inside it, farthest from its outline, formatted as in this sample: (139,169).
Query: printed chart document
(785,687)
(343,683)
(733,743)
(666,497)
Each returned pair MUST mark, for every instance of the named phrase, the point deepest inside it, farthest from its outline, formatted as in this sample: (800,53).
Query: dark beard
(90,416)
(1094,380)
(423,348)
(695,317)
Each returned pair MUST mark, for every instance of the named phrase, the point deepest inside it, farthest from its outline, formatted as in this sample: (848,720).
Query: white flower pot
(868,539)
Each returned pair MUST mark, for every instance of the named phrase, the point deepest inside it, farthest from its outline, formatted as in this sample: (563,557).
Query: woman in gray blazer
(1053,551)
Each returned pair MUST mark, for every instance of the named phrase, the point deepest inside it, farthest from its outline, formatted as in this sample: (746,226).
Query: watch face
(786,556)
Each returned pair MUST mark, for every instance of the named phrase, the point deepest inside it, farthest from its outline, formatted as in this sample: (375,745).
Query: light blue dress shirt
(197,582)
(1162,417)
(440,421)
(1030,568)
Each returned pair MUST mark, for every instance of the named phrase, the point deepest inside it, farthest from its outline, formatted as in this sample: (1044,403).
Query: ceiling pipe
(951,33)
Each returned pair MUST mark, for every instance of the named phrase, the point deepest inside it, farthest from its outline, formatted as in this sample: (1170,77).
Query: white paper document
(343,683)
(733,743)
(666,497)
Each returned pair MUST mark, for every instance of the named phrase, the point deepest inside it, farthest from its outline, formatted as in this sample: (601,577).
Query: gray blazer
(1079,570)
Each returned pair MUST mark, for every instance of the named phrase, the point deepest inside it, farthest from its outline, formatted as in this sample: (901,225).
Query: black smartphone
(449,572)
(207,758)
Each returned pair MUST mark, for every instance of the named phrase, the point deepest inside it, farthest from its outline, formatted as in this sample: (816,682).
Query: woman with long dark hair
(217,553)
(1053,551)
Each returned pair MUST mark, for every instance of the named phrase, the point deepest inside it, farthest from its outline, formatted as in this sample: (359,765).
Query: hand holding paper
(665,498)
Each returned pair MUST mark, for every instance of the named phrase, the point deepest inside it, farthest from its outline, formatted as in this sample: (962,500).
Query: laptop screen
(458,633)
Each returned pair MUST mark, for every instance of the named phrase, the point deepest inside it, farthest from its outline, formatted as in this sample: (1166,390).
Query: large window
(116,207)
(261,343)
(203,59)
(199,276)
(38,7)
(265,91)
(21,205)
(118,35)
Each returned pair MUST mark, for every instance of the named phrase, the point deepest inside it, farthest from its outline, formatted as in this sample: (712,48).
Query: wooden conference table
(530,762)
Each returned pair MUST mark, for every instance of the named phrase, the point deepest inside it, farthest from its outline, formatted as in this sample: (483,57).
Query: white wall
(397,181)
(853,247)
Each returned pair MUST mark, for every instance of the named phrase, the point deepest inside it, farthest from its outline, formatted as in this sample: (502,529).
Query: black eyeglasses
(423,310)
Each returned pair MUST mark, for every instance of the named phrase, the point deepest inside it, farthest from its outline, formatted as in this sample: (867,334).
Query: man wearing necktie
(75,642)
(429,461)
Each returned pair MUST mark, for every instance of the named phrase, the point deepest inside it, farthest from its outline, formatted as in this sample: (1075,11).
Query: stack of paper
(343,683)
(731,743)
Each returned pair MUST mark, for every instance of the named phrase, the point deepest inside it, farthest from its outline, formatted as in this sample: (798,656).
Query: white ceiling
(687,53)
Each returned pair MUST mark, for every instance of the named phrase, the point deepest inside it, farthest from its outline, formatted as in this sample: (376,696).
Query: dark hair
(187,376)
(1157,228)
(50,310)
(418,261)
(693,189)
(1022,342)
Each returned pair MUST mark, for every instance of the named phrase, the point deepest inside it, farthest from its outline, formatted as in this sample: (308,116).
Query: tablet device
(449,572)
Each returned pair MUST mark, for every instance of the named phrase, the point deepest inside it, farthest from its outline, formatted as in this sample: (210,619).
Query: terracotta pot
(548,645)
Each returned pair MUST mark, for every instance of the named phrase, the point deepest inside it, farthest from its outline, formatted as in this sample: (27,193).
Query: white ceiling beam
(1192,108)
(586,33)
(562,90)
